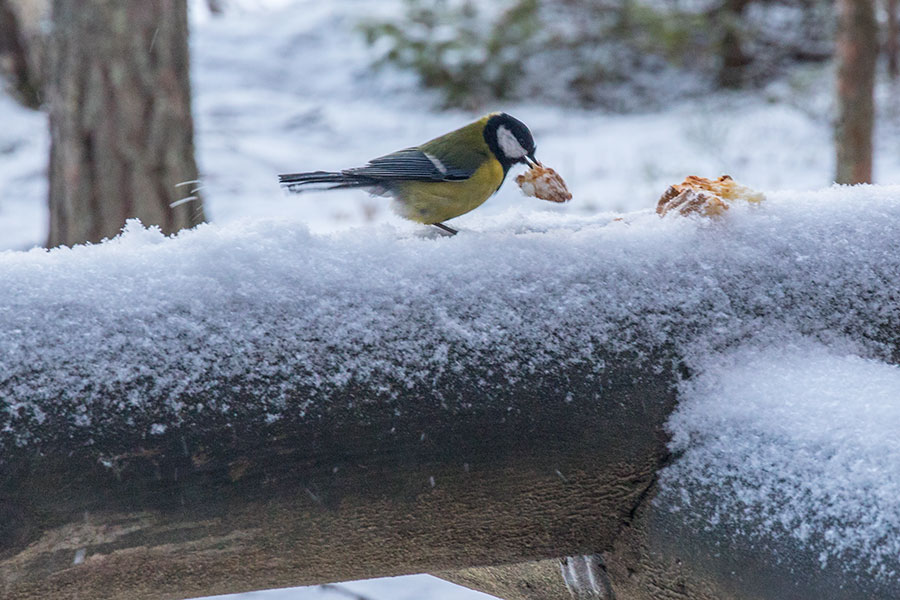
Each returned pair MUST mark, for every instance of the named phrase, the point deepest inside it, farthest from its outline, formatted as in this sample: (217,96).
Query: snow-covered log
(248,407)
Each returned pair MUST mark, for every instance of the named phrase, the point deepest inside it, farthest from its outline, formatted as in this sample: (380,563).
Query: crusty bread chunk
(544,183)
(707,197)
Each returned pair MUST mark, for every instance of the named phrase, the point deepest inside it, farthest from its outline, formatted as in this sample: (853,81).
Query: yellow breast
(427,202)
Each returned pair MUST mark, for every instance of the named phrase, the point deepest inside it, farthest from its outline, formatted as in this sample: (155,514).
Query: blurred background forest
(109,106)
(602,54)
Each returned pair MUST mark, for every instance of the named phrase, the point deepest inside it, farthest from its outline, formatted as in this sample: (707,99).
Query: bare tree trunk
(892,43)
(120,118)
(734,60)
(857,51)
(14,62)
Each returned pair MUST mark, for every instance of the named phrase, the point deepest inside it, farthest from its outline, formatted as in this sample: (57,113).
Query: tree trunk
(120,118)
(734,60)
(857,50)
(14,63)
(892,43)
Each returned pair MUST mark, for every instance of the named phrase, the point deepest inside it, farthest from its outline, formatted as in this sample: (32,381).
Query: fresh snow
(798,439)
(811,262)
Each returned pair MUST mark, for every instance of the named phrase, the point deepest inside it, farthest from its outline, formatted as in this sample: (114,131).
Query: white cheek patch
(509,144)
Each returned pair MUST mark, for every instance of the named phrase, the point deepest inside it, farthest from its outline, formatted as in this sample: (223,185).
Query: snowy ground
(285,85)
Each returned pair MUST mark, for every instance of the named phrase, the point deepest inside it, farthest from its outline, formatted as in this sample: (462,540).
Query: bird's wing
(410,164)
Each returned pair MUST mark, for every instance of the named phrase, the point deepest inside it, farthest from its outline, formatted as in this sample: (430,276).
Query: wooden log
(237,410)
(338,495)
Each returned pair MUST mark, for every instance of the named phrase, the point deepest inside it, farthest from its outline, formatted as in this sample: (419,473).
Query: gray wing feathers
(411,163)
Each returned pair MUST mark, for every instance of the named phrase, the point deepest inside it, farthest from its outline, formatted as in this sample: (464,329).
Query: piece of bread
(708,197)
(544,183)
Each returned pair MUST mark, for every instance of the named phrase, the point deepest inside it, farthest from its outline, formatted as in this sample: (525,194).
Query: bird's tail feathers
(322,180)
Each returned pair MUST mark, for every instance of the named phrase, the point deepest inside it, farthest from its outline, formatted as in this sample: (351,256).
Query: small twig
(153,40)
(183,201)
(342,590)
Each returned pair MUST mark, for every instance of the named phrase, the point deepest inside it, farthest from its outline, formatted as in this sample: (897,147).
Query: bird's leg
(443,227)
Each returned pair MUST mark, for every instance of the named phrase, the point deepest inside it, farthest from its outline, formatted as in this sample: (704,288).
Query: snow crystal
(798,439)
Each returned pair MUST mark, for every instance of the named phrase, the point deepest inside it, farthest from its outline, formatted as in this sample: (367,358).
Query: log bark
(120,118)
(892,39)
(857,51)
(344,494)
(15,60)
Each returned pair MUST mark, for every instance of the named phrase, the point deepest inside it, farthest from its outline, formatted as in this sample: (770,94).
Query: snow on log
(246,407)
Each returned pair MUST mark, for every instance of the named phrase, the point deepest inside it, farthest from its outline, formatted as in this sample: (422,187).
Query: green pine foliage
(615,53)
(452,46)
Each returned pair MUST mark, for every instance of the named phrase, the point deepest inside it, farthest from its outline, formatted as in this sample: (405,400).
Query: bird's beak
(531,161)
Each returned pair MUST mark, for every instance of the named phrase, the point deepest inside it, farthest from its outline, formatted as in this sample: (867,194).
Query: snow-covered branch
(253,406)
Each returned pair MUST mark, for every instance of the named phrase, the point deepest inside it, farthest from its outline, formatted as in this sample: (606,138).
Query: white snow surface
(524,290)
(797,439)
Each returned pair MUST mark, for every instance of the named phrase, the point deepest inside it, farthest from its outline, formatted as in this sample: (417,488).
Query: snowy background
(286,85)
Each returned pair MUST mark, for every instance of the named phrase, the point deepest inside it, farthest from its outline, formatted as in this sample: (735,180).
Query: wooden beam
(169,430)
(336,495)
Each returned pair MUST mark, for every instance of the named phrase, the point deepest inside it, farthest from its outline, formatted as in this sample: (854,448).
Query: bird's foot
(445,229)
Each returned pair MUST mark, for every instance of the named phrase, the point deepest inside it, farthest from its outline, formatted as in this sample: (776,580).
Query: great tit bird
(441,179)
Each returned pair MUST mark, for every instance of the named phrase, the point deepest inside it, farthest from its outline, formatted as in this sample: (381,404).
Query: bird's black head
(509,140)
